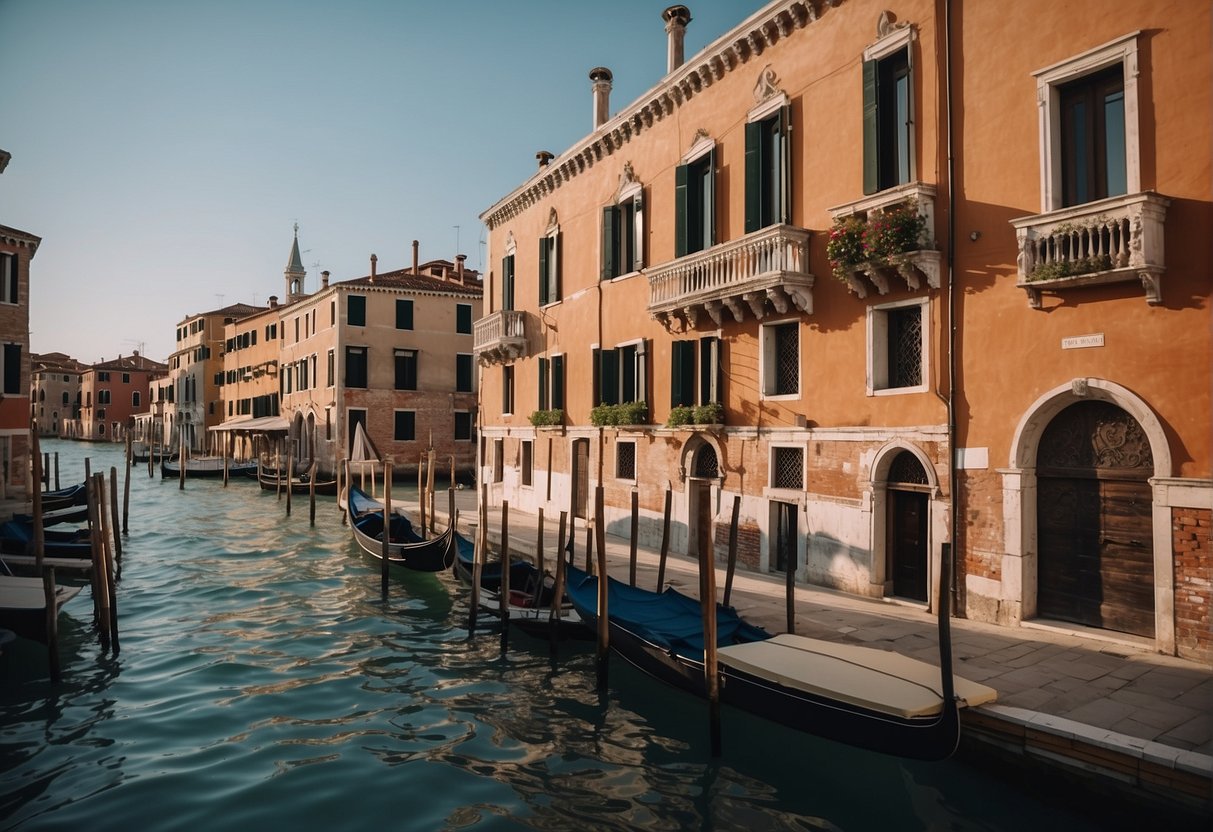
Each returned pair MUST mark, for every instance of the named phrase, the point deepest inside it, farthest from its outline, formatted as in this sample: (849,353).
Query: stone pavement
(1080,699)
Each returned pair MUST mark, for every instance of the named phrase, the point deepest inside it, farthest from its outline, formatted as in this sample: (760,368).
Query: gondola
(67,514)
(299,484)
(17,538)
(861,696)
(74,495)
(530,602)
(23,605)
(205,467)
(405,547)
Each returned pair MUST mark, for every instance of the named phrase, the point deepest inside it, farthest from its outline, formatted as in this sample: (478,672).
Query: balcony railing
(760,271)
(1115,240)
(500,337)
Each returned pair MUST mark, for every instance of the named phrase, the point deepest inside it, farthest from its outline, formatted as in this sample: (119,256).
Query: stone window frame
(877,348)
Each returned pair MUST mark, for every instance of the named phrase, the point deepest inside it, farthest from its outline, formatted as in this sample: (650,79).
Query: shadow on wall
(838,565)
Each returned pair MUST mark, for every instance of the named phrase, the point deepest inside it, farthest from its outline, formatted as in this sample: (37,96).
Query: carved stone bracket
(1152,282)
(757,302)
(877,277)
(735,307)
(778,299)
(713,308)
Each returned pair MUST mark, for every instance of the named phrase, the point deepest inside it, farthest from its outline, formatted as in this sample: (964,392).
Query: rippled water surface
(264,682)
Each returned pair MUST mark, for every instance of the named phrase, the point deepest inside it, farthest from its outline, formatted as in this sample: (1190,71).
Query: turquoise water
(264,682)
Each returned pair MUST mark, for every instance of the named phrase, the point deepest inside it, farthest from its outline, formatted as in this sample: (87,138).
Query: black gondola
(405,547)
(205,467)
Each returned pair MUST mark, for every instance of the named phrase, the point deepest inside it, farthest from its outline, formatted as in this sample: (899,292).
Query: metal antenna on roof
(456,239)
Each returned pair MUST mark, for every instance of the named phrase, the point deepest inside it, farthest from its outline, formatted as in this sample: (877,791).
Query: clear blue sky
(163,149)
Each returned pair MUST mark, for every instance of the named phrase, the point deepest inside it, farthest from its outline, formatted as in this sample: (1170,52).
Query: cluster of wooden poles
(105,545)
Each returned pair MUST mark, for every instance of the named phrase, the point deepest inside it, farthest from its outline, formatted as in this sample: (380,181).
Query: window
(404,314)
(781,359)
(689,386)
(767,167)
(528,462)
(897,347)
(355,313)
(787,468)
(549,266)
(355,367)
(12,369)
(1089,140)
(888,113)
(623,230)
(621,374)
(331,363)
(103,397)
(135,398)
(8,278)
(463,373)
(507,390)
(103,376)
(463,426)
(498,460)
(507,282)
(406,426)
(406,369)
(695,201)
(65,398)
(463,318)
(625,460)
(551,383)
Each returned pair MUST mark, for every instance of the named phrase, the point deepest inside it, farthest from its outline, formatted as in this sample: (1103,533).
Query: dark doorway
(785,537)
(581,477)
(908,540)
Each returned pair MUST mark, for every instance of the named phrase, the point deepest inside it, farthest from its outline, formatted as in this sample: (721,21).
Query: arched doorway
(703,471)
(907,528)
(1095,521)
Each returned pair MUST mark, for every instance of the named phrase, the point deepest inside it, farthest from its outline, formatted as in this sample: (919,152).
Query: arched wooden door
(1094,520)
(907,528)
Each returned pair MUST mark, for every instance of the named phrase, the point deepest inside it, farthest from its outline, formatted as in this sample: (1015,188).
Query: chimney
(324,280)
(459,258)
(601,76)
(676,19)
(273,301)
(416,254)
(544,157)
(374,263)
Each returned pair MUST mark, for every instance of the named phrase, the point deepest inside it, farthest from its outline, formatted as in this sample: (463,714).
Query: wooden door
(581,477)
(908,543)
(1095,521)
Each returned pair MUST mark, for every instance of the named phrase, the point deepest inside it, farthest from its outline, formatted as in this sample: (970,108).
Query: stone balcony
(764,270)
(1114,240)
(500,337)
(910,266)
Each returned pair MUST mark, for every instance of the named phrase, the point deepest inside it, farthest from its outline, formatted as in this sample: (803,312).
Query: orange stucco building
(917,287)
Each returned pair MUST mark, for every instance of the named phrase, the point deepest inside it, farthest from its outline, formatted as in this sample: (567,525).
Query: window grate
(706,464)
(788,468)
(787,359)
(907,469)
(905,347)
(625,460)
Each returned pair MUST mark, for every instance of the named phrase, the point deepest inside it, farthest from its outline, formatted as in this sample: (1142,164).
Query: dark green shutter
(636,232)
(543,270)
(404,314)
(609,376)
(554,268)
(681,210)
(507,283)
(870,150)
(557,382)
(12,369)
(596,371)
(609,220)
(785,164)
(682,391)
(709,199)
(753,176)
(543,384)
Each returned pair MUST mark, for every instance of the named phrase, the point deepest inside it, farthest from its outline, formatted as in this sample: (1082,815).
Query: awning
(263,424)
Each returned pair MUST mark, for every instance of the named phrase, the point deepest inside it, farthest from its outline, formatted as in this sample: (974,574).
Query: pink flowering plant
(845,248)
(878,239)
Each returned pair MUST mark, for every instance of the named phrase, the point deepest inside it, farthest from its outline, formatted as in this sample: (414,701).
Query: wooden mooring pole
(732,564)
(117,534)
(505,575)
(604,638)
(558,589)
(311,494)
(387,524)
(290,478)
(707,598)
(49,590)
(478,556)
(635,528)
(538,555)
(126,486)
(665,543)
(107,557)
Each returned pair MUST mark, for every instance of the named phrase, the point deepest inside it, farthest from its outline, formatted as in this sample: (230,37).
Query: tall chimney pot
(544,157)
(273,301)
(601,76)
(676,19)
(459,258)
(416,256)
(324,280)
(374,264)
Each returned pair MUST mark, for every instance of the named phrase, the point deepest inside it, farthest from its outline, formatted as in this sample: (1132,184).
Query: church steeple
(295,273)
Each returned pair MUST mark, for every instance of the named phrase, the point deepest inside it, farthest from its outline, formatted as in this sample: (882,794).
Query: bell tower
(295,273)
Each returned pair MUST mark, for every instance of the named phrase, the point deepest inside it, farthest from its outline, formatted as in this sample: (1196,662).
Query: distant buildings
(113,392)
(895,281)
(55,391)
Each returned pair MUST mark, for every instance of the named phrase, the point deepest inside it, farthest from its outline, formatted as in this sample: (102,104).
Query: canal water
(263,682)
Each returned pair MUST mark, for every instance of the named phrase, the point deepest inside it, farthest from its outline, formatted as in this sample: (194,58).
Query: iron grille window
(625,460)
(781,359)
(905,346)
(907,469)
(706,463)
(787,469)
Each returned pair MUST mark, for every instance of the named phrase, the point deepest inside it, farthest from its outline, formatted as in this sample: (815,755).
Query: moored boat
(206,467)
(405,547)
(299,484)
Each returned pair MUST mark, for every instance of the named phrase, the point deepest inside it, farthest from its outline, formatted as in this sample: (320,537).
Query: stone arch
(1018,591)
(700,441)
(878,504)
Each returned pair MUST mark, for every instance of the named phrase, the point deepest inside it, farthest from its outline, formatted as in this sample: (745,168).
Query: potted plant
(680,415)
(893,231)
(711,413)
(628,413)
(845,247)
(547,418)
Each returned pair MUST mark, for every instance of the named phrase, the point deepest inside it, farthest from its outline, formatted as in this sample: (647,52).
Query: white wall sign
(1079,342)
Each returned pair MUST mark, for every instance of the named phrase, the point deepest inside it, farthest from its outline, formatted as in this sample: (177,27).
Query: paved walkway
(1103,693)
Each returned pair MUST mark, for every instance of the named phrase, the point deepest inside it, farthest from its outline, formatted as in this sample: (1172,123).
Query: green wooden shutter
(785,164)
(596,371)
(609,376)
(507,283)
(637,232)
(681,210)
(682,377)
(543,384)
(609,220)
(709,198)
(554,268)
(753,176)
(871,175)
(543,270)
(558,382)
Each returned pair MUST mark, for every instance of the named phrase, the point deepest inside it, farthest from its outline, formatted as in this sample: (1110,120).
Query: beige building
(249,390)
(55,391)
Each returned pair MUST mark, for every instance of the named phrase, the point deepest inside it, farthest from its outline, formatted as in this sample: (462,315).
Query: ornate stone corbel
(735,308)
(765,88)
(757,303)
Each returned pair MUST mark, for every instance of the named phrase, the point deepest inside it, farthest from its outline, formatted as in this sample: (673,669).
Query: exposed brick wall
(980,539)
(747,545)
(1193,555)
